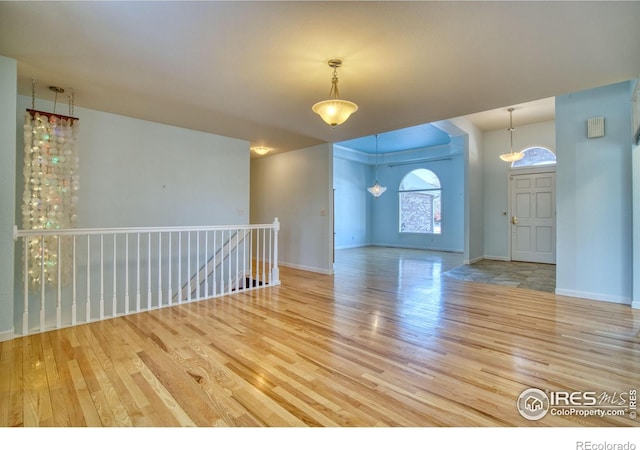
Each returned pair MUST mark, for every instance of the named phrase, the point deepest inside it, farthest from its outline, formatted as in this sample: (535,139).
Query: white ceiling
(252,70)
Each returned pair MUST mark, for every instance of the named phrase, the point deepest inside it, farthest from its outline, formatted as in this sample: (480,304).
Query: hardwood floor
(387,341)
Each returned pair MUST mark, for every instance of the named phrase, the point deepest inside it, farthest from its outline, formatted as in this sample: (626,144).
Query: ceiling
(252,70)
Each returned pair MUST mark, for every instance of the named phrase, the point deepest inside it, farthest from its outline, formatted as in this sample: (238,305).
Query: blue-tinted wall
(594,204)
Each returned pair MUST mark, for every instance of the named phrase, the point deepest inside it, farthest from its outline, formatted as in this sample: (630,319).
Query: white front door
(533,217)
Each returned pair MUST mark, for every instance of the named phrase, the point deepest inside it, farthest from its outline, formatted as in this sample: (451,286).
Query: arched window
(535,156)
(420,202)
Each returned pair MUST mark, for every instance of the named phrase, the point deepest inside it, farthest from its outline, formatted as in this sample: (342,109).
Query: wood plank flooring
(386,342)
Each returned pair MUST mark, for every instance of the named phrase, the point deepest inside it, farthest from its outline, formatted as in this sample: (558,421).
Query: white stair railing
(76,276)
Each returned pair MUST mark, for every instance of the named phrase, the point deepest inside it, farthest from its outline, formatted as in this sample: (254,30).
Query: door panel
(533,218)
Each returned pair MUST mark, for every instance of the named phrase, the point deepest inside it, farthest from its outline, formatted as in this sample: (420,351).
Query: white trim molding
(472,261)
(595,296)
(307,268)
(497,258)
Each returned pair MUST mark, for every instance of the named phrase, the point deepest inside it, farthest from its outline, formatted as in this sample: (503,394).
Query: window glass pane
(420,212)
(535,156)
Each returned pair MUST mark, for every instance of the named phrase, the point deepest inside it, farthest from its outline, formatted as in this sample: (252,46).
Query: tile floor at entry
(526,275)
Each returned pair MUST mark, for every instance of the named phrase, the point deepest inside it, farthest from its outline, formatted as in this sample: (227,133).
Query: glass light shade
(335,111)
(376,190)
(511,157)
(261,150)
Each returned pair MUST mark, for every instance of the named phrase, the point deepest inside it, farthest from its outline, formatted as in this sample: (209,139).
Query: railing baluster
(251,233)
(114,301)
(25,311)
(264,256)
(159,270)
(244,259)
(59,294)
(237,259)
(221,262)
(149,300)
(189,266)
(206,268)
(138,295)
(214,266)
(270,247)
(42,285)
(197,265)
(74,313)
(126,273)
(229,262)
(169,290)
(257,257)
(87,308)
(180,267)
(101,276)
(275,270)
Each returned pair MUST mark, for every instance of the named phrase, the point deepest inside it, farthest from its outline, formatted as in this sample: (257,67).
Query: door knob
(514,220)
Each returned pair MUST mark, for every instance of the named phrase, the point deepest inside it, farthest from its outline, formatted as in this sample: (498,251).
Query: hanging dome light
(334,111)
(376,190)
(511,156)
(261,150)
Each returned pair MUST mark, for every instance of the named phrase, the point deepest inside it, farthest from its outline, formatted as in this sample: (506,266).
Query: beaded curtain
(50,192)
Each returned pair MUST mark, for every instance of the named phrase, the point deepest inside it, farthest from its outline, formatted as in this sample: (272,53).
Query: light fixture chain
(71,103)
(334,85)
(33,93)
(511,128)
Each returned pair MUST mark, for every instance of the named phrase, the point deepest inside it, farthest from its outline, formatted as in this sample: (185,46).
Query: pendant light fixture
(334,111)
(511,156)
(376,190)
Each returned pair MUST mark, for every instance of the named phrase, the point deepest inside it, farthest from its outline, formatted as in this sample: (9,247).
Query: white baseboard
(474,260)
(635,304)
(307,268)
(497,258)
(7,335)
(346,247)
(594,296)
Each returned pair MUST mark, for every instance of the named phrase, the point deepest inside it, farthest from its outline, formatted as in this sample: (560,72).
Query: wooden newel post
(275,270)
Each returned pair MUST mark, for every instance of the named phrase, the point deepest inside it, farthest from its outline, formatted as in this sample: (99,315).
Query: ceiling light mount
(511,156)
(334,111)
(335,63)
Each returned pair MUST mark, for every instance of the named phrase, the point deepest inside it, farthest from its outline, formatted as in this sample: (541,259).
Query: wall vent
(595,127)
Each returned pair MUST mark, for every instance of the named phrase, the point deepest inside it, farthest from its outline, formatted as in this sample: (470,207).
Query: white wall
(351,207)
(139,173)
(8,92)
(297,188)
(496,180)
(594,184)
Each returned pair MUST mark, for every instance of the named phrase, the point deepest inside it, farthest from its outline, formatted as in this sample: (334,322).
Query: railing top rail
(96,231)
